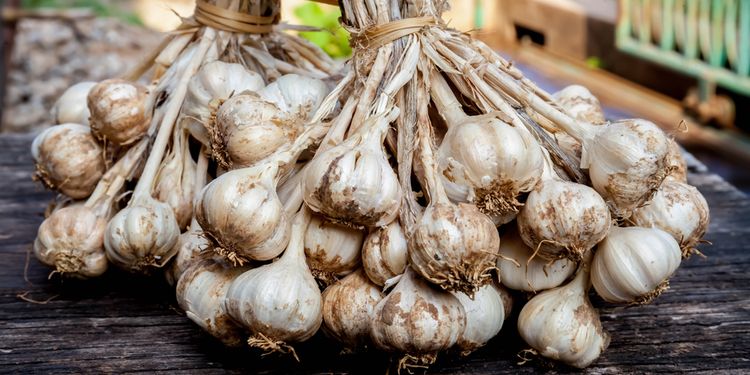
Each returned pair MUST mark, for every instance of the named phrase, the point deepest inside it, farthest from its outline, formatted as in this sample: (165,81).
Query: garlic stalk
(332,249)
(118,111)
(384,253)
(417,320)
(580,104)
(519,269)
(633,265)
(562,219)
(348,309)
(143,235)
(71,106)
(68,159)
(353,182)
(483,159)
(454,246)
(485,314)
(175,181)
(71,239)
(201,292)
(561,323)
(279,303)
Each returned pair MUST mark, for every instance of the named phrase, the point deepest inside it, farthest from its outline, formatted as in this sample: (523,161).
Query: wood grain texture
(120,324)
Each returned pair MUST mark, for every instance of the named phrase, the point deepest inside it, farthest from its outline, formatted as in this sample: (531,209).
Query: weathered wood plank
(120,324)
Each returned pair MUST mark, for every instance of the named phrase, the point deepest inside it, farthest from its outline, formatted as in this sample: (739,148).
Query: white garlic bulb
(214,80)
(118,111)
(418,320)
(298,96)
(580,103)
(633,265)
(561,324)
(332,249)
(279,303)
(68,159)
(485,315)
(189,246)
(348,308)
(520,270)
(71,107)
(384,253)
(175,181)
(353,182)
(676,162)
(201,292)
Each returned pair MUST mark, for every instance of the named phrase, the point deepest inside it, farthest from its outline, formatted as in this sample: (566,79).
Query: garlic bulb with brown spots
(201,292)
(676,162)
(175,182)
(332,249)
(485,314)
(279,303)
(68,159)
(520,270)
(417,320)
(580,103)
(118,111)
(71,106)
(353,182)
(348,309)
(561,323)
(384,253)
(633,265)
(296,95)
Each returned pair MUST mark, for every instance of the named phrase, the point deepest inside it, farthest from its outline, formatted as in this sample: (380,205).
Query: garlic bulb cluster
(118,111)
(348,309)
(580,104)
(332,249)
(485,314)
(71,106)
(68,159)
(633,265)
(384,253)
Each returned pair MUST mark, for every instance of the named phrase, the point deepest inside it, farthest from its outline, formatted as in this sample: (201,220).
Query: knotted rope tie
(380,35)
(233,21)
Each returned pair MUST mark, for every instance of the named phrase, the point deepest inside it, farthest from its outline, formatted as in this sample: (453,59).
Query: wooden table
(118,324)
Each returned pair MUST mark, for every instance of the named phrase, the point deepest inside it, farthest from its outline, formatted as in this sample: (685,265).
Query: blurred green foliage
(102,8)
(334,39)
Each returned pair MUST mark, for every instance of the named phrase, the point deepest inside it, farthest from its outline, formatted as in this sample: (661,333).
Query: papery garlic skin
(71,106)
(519,270)
(68,159)
(332,249)
(563,219)
(348,309)
(417,319)
(384,253)
(561,324)
(485,315)
(581,104)
(201,292)
(627,163)
(189,246)
(298,96)
(175,181)
(142,236)
(633,265)
(71,241)
(676,162)
(118,111)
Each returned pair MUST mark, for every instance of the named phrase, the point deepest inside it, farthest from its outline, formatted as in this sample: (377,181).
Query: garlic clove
(332,249)
(633,265)
(71,107)
(298,96)
(580,104)
(68,159)
(348,309)
(520,270)
(384,253)
(118,111)
(485,315)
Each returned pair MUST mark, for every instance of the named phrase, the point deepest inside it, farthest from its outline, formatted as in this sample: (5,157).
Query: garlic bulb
(484,160)
(633,265)
(68,159)
(175,182)
(353,182)
(520,270)
(348,309)
(485,315)
(332,249)
(563,219)
(298,96)
(201,292)
(384,253)
(279,303)
(561,323)
(581,104)
(676,162)
(118,111)
(71,107)
(417,320)
(454,246)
